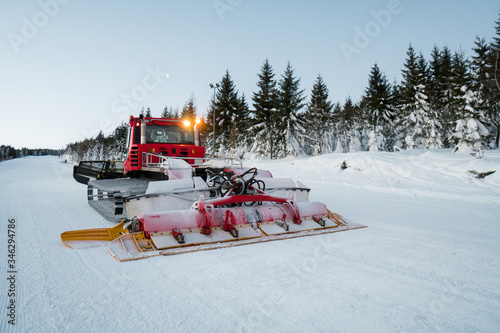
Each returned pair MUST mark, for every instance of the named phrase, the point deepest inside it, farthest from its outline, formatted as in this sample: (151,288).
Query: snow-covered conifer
(291,131)
(320,119)
(378,105)
(189,109)
(372,141)
(265,115)
(228,108)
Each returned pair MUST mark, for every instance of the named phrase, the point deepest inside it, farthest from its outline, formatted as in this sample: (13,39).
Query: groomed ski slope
(429,260)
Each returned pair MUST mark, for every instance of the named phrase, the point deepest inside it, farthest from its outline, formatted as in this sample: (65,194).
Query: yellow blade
(92,237)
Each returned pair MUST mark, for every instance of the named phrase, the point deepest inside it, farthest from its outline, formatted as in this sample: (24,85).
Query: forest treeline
(9,152)
(444,100)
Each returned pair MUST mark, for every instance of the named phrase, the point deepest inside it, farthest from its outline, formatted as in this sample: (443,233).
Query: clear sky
(70,68)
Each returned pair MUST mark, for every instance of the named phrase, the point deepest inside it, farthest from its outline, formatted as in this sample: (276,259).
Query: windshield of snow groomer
(169,134)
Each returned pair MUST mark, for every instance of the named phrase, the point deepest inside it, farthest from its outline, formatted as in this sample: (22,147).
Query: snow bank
(430,173)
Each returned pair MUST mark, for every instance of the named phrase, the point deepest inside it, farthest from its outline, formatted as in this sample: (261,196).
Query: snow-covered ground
(429,260)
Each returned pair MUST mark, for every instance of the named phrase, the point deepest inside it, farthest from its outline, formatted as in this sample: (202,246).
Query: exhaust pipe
(196,135)
(143,130)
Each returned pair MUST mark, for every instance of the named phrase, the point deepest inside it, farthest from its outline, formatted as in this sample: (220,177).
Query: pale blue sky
(87,65)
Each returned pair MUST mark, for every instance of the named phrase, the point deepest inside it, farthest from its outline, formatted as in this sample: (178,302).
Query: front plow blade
(212,224)
(79,239)
(136,246)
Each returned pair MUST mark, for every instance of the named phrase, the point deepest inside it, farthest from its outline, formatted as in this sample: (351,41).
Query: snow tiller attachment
(244,215)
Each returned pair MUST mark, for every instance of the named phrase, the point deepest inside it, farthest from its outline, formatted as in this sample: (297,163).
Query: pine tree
(378,98)
(424,72)
(341,117)
(319,119)
(397,132)
(349,111)
(339,127)
(239,139)
(469,133)
(291,132)
(461,83)
(148,112)
(355,143)
(229,114)
(437,87)
(396,100)
(265,103)
(347,121)
(442,91)
(189,109)
(170,112)
(420,122)
(482,72)
(372,141)
(379,109)
(410,81)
